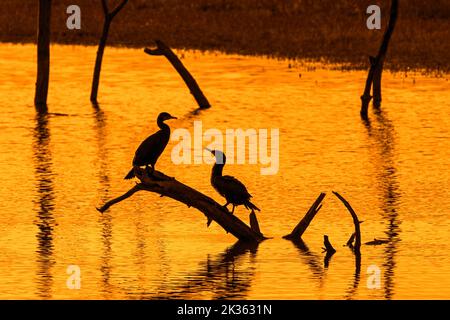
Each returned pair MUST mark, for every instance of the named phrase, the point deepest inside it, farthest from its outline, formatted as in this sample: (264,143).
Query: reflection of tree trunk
(45,220)
(384,142)
(43,55)
(164,50)
(104,187)
(109,16)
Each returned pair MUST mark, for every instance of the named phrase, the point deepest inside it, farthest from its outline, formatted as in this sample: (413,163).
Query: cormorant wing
(150,149)
(232,185)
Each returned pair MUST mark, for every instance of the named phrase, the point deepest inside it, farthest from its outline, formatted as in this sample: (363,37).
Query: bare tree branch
(166,186)
(356,222)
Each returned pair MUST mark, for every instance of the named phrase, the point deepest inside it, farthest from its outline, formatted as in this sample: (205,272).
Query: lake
(57,168)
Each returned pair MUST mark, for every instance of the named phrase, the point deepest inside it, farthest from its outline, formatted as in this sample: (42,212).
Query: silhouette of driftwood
(376,66)
(166,186)
(43,55)
(327,245)
(163,50)
(377,242)
(357,247)
(328,248)
(351,240)
(109,16)
(301,227)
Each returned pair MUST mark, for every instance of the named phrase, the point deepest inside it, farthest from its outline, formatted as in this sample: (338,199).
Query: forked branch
(169,187)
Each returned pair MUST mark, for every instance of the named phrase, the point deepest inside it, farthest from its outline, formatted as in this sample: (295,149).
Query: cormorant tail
(130,174)
(252,206)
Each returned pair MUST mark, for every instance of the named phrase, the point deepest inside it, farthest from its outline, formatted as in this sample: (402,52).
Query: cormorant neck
(217,170)
(162,125)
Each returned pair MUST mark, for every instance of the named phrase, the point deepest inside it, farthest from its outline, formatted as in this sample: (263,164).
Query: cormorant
(229,187)
(152,147)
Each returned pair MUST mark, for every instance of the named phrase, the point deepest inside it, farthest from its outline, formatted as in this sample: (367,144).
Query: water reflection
(312,260)
(382,137)
(222,276)
(351,291)
(104,187)
(45,200)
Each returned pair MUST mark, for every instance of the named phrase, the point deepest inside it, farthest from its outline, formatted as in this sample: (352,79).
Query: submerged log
(301,227)
(377,242)
(327,245)
(164,50)
(254,222)
(356,222)
(330,251)
(376,66)
(170,187)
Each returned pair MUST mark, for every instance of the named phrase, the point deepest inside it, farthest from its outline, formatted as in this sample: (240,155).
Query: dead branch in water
(301,227)
(350,241)
(109,16)
(356,222)
(329,251)
(163,50)
(43,56)
(169,187)
(327,245)
(376,66)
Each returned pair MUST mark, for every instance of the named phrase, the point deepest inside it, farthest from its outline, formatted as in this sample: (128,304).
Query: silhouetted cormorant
(229,187)
(152,147)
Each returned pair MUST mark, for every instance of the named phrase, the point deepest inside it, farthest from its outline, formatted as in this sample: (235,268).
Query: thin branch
(356,222)
(191,83)
(118,8)
(105,7)
(126,195)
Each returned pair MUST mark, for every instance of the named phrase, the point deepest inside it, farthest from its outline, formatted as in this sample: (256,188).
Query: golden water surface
(57,168)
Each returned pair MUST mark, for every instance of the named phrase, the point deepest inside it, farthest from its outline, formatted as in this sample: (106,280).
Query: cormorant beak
(172,117)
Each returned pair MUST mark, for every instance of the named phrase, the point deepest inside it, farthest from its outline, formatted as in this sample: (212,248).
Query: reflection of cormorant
(152,147)
(229,187)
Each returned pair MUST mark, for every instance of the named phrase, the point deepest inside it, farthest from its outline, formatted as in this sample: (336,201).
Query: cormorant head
(163,116)
(220,156)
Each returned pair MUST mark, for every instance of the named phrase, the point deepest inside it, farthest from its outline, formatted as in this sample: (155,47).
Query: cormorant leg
(232,211)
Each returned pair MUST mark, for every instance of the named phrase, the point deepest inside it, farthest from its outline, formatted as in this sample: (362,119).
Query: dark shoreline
(330,31)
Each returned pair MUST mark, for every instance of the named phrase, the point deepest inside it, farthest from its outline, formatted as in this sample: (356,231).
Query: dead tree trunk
(298,231)
(382,54)
(356,222)
(376,66)
(43,55)
(163,50)
(109,16)
(176,190)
